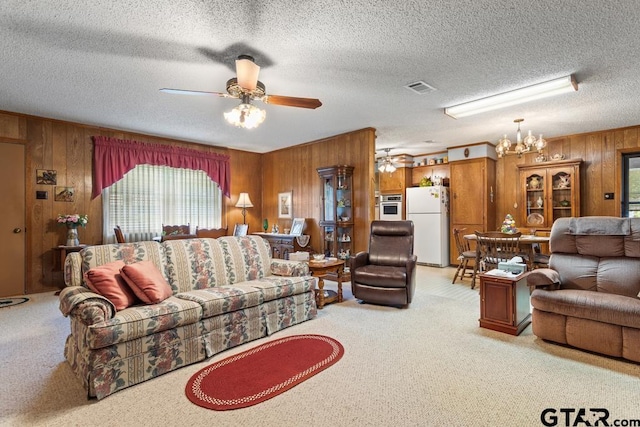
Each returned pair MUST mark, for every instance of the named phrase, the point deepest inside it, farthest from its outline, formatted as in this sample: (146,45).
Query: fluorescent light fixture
(518,96)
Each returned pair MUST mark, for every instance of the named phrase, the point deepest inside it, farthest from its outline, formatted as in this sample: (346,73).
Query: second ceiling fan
(246,87)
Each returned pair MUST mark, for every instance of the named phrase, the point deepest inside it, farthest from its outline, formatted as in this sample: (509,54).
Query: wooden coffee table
(322,269)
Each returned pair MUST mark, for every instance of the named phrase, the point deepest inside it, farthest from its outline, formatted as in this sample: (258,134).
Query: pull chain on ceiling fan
(246,87)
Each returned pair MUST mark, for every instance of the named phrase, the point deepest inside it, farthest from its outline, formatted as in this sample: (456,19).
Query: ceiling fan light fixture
(514,97)
(247,72)
(386,163)
(246,116)
(386,167)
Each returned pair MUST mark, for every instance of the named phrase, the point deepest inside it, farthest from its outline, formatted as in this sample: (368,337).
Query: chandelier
(246,115)
(529,143)
(386,163)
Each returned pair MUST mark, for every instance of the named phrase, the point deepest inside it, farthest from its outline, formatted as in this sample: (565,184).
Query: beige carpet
(429,365)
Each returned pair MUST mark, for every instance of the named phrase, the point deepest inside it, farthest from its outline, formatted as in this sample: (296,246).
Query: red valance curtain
(112,158)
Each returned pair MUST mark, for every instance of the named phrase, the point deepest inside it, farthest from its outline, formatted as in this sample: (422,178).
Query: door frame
(620,171)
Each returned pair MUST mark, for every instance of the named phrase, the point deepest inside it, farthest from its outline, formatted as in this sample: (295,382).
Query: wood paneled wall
(68,149)
(294,169)
(601,169)
(246,168)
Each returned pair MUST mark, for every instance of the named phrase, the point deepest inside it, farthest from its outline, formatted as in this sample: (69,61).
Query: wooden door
(12,232)
(467,192)
(467,200)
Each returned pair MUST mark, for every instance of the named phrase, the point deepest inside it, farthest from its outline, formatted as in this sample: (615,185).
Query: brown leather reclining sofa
(589,296)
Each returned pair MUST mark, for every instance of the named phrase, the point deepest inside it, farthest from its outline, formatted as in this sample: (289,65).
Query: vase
(72,236)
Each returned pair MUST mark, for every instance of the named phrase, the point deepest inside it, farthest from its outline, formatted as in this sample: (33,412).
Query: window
(631,185)
(149,196)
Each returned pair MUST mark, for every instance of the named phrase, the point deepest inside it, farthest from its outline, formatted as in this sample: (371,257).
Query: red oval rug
(263,372)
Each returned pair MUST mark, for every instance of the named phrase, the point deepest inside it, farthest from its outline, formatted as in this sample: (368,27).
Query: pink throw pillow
(107,281)
(146,281)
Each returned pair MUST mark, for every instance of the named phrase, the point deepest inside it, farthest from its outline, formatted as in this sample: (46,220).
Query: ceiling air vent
(420,87)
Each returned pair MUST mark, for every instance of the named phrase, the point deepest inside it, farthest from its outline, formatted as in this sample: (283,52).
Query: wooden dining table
(526,240)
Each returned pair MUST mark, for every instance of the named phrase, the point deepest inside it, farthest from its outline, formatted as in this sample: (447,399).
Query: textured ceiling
(103,63)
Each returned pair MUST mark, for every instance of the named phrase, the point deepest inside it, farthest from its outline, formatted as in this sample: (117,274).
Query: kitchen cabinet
(432,171)
(549,191)
(394,182)
(472,198)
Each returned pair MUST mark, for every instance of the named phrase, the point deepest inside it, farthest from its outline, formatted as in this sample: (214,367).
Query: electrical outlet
(608,196)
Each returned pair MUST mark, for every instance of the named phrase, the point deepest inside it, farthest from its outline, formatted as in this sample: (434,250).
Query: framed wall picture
(285,206)
(241,229)
(64,194)
(46,176)
(297,227)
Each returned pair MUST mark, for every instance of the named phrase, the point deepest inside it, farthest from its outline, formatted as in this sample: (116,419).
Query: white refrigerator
(428,208)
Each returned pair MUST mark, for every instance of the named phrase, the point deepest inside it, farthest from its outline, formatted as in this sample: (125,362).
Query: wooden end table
(322,269)
(504,303)
(60,254)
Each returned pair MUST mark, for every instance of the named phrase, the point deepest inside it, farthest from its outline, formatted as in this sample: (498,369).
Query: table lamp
(244,202)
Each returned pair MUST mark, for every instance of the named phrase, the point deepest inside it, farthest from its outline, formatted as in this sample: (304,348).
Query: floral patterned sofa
(225,292)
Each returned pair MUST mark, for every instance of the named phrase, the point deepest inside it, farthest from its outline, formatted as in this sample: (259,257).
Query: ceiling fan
(386,163)
(246,87)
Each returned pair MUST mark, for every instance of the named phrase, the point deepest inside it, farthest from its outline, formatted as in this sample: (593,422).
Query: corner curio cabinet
(336,218)
(550,190)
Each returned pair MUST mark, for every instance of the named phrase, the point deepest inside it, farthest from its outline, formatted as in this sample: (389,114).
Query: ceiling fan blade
(292,102)
(247,72)
(195,92)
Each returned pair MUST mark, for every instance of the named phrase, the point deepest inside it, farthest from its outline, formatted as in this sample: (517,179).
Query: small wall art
(64,194)
(46,176)
(285,205)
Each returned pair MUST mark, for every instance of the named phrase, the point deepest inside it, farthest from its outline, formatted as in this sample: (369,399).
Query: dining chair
(541,252)
(465,254)
(213,233)
(494,247)
(538,256)
(119,234)
(540,260)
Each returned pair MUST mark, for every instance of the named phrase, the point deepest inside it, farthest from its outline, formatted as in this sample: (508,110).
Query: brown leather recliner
(386,274)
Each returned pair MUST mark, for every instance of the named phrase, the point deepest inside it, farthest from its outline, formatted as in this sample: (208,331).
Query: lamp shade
(244,201)
(247,72)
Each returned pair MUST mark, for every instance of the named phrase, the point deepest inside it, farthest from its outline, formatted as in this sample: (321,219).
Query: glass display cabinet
(550,191)
(336,222)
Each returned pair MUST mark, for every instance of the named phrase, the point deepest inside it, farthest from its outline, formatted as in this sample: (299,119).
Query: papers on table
(501,273)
